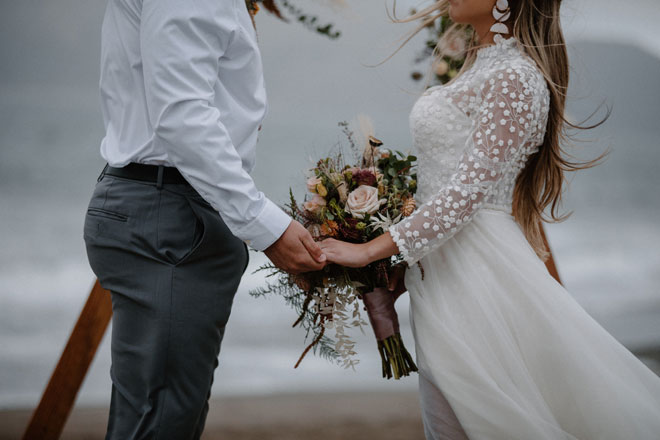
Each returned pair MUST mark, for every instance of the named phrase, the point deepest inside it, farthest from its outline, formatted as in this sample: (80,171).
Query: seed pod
(408,207)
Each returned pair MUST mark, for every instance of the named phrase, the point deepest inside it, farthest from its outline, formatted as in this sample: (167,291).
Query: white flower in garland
(383,221)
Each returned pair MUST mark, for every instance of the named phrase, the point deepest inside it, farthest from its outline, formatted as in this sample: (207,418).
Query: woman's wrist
(381,247)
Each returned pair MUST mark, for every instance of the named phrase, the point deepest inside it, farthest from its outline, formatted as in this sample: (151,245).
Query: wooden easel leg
(550,262)
(50,416)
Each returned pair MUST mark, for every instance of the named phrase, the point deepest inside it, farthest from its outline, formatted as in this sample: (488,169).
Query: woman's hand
(397,283)
(344,253)
(359,255)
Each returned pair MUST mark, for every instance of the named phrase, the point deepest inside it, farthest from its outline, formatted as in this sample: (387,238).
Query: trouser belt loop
(102,173)
(159,180)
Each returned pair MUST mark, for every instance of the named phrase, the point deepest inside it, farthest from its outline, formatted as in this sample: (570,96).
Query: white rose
(363,200)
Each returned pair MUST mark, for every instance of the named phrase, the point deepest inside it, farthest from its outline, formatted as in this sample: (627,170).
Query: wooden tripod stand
(51,414)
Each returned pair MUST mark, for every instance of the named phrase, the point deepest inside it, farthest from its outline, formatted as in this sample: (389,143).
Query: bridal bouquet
(356,202)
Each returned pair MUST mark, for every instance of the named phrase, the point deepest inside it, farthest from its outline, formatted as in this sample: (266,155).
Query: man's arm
(182,44)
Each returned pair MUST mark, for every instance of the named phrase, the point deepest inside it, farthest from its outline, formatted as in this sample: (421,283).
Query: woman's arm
(510,108)
(359,255)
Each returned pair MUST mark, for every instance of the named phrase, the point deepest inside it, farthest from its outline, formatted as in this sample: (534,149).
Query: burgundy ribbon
(381,312)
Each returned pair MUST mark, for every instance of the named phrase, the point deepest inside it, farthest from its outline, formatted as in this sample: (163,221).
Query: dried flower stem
(314,342)
(421,269)
(305,307)
(397,361)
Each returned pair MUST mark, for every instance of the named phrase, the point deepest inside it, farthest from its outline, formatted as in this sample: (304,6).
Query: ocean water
(50,129)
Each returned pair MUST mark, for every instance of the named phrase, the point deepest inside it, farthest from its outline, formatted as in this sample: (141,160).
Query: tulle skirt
(515,356)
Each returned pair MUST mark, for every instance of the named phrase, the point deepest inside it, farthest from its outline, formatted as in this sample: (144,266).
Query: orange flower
(329,228)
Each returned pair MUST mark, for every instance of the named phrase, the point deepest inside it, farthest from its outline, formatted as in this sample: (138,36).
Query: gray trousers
(172,267)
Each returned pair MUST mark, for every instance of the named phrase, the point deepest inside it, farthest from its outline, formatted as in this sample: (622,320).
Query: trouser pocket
(97,212)
(108,213)
(180,230)
(247,257)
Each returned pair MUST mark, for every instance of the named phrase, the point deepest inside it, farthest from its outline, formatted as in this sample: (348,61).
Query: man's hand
(295,251)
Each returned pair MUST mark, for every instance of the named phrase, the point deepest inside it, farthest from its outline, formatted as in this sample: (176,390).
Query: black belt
(157,174)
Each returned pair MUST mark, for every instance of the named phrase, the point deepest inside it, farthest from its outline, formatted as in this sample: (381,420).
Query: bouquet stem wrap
(395,358)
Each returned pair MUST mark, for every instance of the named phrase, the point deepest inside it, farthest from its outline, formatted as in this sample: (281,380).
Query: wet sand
(322,416)
(317,416)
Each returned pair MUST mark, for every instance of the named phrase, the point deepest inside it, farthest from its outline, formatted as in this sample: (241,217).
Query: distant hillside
(625,77)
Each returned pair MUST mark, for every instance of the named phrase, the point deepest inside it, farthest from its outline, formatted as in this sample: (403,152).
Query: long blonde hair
(536,26)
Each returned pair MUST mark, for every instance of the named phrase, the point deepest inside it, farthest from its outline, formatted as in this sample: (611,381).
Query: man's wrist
(267,228)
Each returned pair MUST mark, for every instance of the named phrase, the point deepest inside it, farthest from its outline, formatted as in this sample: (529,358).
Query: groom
(171,214)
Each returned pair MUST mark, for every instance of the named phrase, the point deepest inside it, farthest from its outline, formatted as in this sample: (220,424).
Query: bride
(504,351)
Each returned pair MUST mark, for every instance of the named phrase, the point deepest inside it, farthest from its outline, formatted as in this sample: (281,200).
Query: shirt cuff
(266,228)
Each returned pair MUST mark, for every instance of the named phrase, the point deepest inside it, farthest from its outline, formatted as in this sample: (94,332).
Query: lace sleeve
(507,113)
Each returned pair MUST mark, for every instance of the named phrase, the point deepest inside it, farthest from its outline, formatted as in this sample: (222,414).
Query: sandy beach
(327,416)
(301,416)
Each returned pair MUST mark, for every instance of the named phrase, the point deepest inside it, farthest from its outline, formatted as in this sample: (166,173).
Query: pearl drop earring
(501,13)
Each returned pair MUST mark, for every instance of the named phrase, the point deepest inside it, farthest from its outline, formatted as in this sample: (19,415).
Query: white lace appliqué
(473,138)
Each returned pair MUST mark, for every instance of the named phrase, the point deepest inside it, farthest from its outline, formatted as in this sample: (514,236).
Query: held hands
(295,251)
(359,255)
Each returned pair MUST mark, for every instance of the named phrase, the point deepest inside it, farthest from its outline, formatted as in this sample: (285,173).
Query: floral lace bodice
(473,137)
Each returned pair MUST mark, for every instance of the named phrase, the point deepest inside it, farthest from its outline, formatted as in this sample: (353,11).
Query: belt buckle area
(159,178)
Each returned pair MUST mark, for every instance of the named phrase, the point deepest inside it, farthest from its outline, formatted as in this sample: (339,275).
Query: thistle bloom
(365,177)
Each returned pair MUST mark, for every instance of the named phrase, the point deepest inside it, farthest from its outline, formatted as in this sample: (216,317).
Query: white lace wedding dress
(516,357)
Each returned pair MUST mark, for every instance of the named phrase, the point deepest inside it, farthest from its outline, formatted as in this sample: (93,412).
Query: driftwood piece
(50,416)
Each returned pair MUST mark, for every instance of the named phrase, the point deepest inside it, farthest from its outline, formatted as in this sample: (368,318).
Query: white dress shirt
(182,85)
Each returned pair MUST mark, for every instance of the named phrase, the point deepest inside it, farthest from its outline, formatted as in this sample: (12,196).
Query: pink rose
(311,184)
(315,204)
(363,200)
(452,46)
